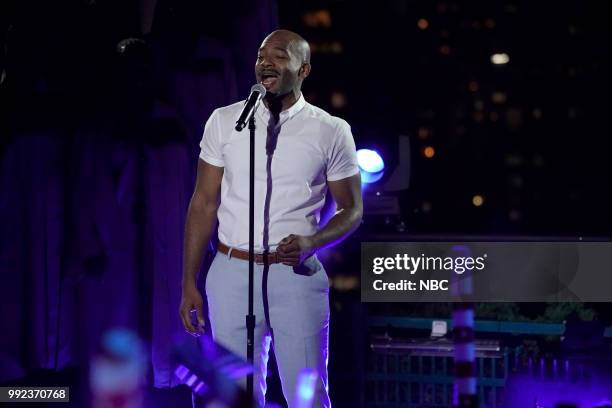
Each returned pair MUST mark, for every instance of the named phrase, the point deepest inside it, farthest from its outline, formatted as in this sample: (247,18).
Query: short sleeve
(342,156)
(210,145)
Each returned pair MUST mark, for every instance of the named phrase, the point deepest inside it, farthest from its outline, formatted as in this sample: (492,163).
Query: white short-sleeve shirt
(313,147)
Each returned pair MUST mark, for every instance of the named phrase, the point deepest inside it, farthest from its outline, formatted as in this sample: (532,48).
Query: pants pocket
(309,267)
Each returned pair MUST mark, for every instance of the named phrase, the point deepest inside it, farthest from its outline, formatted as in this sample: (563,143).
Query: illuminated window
(327,48)
(500,58)
(424,132)
(338,100)
(429,152)
(498,97)
(317,18)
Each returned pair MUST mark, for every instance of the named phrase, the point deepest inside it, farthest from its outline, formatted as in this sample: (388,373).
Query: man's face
(278,68)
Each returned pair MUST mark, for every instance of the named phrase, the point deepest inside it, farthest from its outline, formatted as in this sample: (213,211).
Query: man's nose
(265,62)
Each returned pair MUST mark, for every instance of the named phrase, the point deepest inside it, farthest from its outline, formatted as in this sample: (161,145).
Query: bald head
(298,45)
(283,62)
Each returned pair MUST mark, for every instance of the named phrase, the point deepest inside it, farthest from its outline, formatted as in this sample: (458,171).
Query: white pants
(292,314)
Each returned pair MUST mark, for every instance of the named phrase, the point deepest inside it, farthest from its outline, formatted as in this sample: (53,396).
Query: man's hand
(192,300)
(294,249)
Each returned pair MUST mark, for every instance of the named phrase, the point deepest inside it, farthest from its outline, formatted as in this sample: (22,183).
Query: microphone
(258,91)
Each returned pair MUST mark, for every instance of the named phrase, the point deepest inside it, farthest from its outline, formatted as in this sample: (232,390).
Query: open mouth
(268,79)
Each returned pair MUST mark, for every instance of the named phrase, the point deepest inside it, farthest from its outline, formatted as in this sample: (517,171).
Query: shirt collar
(287,113)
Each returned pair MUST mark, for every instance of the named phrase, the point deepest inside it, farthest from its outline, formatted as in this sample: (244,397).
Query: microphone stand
(250,318)
(251,104)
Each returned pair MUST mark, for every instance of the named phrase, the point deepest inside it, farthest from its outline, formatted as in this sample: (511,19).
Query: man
(301,151)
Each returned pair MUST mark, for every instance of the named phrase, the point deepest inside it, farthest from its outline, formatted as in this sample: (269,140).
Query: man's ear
(304,70)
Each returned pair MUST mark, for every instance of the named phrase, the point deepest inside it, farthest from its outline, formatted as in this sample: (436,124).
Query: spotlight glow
(429,152)
(369,178)
(307,381)
(370,161)
(500,59)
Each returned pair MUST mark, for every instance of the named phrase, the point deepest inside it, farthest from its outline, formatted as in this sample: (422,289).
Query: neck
(283,102)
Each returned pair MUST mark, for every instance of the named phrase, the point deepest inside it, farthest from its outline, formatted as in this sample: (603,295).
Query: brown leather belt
(260,259)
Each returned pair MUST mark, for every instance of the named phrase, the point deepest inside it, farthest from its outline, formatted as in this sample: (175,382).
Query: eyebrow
(276,48)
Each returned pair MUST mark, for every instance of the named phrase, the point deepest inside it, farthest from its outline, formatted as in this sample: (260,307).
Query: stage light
(371,165)
(210,370)
(477,200)
(370,161)
(429,152)
(500,58)
(191,380)
(423,24)
(369,178)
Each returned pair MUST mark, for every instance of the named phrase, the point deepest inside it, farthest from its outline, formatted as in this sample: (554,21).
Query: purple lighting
(370,161)
(191,380)
(305,388)
(371,165)
(524,388)
(181,372)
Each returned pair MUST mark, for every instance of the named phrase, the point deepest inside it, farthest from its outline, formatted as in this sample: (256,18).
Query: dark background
(528,136)
(102,106)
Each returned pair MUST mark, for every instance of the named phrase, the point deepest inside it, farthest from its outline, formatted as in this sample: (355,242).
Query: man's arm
(201,220)
(349,210)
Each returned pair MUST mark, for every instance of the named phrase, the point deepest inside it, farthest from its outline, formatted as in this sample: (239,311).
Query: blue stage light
(371,166)
(369,178)
(370,161)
